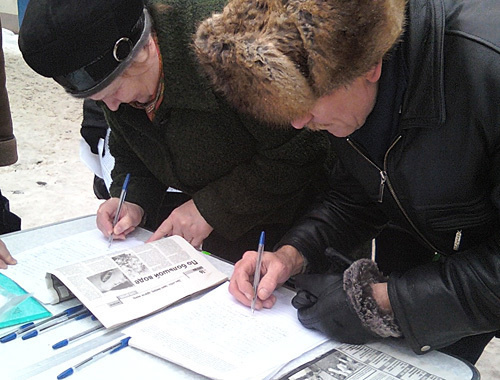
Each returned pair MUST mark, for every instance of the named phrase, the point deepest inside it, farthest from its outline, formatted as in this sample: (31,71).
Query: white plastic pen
(109,350)
(256,277)
(120,204)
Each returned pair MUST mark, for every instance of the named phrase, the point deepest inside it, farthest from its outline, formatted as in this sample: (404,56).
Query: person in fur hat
(233,176)
(409,93)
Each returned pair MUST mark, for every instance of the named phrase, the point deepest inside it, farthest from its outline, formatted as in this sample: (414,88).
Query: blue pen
(109,350)
(256,277)
(120,204)
(66,341)
(73,314)
(83,315)
(13,334)
(30,326)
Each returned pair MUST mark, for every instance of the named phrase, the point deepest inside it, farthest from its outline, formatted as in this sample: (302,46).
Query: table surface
(35,358)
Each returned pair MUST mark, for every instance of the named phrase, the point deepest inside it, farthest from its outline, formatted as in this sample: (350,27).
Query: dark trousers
(216,244)
(100,189)
(9,222)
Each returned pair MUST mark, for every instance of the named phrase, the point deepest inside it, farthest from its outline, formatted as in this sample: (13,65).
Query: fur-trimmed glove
(342,305)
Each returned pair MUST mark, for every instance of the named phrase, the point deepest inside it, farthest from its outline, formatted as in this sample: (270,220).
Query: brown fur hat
(274,58)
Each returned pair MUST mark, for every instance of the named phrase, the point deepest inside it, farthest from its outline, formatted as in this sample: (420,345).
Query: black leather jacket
(440,180)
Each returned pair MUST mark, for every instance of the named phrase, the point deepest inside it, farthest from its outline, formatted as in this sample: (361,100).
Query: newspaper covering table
(122,286)
(117,285)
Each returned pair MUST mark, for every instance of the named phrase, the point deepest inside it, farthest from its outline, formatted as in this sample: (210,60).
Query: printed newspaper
(387,360)
(123,286)
(34,263)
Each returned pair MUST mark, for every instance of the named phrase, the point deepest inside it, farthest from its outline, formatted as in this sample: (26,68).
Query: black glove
(341,304)
(323,305)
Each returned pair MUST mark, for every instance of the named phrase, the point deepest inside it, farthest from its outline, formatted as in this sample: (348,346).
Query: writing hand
(5,256)
(130,217)
(276,268)
(185,221)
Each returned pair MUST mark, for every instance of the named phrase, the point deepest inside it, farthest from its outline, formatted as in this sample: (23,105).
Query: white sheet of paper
(106,160)
(100,164)
(218,337)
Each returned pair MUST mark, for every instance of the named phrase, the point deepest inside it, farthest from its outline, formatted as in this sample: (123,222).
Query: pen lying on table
(75,315)
(13,334)
(109,350)
(66,341)
(30,326)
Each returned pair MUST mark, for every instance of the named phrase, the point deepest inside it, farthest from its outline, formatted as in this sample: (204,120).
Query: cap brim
(102,84)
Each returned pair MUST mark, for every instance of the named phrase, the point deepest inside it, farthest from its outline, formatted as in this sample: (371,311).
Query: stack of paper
(216,336)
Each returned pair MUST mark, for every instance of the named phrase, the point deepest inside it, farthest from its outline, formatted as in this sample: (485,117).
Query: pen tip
(65,374)
(60,344)
(262,237)
(29,335)
(8,338)
(110,239)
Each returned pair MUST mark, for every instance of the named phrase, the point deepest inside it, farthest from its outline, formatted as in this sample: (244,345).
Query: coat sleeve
(439,303)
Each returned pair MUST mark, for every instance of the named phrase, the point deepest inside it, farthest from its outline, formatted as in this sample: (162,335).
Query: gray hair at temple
(273,59)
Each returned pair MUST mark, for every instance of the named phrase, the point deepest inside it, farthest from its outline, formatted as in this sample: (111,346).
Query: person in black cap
(169,128)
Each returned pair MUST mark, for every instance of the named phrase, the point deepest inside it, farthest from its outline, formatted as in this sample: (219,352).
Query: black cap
(83,45)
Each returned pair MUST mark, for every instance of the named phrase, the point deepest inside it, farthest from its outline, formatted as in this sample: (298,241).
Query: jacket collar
(185,86)
(423,104)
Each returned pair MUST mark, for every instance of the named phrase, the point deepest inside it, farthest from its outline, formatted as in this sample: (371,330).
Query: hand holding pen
(120,204)
(276,268)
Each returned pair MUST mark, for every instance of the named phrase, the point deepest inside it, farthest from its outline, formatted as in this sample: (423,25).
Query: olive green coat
(240,173)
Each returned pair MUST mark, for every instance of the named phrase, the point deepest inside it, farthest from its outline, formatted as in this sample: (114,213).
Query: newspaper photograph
(122,286)
(377,361)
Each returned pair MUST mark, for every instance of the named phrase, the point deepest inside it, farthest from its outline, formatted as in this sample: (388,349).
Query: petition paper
(218,337)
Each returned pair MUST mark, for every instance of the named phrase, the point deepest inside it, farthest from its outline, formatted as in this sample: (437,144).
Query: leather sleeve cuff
(357,280)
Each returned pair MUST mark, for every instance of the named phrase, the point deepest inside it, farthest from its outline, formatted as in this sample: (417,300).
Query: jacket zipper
(382,172)
(384,180)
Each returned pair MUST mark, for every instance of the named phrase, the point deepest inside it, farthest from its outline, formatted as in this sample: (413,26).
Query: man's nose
(302,121)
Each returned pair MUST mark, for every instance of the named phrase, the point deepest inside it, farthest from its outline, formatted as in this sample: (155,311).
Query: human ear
(146,52)
(374,74)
